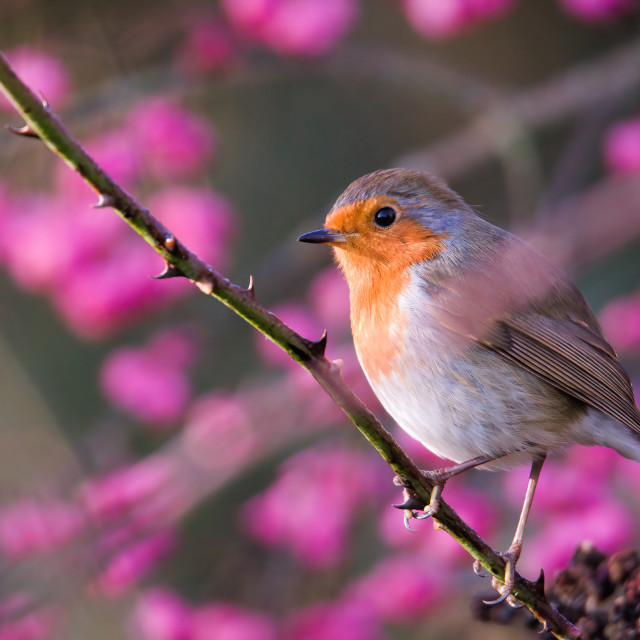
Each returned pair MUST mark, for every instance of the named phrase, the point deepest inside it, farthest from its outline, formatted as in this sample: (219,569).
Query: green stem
(43,123)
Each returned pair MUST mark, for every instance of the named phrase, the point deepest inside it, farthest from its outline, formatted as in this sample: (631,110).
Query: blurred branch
(502,124)
(181,262)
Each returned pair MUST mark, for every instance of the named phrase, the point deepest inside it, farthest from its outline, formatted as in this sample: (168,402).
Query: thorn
(539,583)
(514,603)
(26,131)
(105,201)
(545,627)
(205,285)
(412,502)
(318,346)
(251,291)
(170,271)
(169,242)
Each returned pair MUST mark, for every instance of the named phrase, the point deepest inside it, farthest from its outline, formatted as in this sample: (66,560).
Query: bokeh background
(165,473)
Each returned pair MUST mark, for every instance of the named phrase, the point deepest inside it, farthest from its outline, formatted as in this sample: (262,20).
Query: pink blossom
(228,622)
(209,48)
(219,433)
(300,320)
(329,297)
(606,524)
(44,74)
(34,241)
(147,492)
(444,18)
(108,290)
(399,589)
(126,567)
(201,218)
(620,321)
(340,620)
(29,527)
(597,10)
(34,624)
(172,142)
(150,382)
(622,147)
(333,482)
(293,27)
(160,614)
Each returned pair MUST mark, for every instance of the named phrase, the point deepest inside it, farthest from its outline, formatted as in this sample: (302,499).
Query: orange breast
(378,323)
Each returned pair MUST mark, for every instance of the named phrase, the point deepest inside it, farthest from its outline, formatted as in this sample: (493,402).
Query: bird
(474,343)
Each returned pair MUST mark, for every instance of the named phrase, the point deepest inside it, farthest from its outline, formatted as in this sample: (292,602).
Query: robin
(474,343)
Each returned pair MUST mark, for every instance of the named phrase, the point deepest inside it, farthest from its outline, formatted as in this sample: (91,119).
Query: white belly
(462,400)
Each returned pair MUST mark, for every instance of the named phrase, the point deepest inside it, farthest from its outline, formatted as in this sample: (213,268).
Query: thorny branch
(41,122)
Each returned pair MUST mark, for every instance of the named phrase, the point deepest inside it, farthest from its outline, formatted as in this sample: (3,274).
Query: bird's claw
(427,512)
(478,569)
(408,514)
(505,590)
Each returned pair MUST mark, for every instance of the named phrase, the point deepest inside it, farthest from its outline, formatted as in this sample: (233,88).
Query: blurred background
(166,473)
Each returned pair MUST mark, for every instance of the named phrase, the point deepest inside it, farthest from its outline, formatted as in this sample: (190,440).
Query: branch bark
(43,123)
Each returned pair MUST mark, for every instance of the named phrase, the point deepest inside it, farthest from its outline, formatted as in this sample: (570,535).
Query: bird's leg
(440,477)
(412,505)
(513,552)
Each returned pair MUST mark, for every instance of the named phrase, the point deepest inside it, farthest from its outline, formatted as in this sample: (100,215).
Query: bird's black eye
(384,217)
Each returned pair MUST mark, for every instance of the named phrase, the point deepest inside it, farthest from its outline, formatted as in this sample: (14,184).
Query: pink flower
(300,320)
(150,383)
(147,493)
(105,293)
(606,524)
(172,142)
(597,10)
(622,147)
(293,27)
(340,620)
(219,433)
(19,620)
(109,289)
(330,481)
(42,73)
(329,297)
(228,622)
(399,589)
(209,48)
(29,527)
(159,614)
(444,18)
(620,321)
(201,218)
(129,565)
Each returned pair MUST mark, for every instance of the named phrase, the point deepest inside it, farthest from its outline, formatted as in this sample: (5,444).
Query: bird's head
(390,219)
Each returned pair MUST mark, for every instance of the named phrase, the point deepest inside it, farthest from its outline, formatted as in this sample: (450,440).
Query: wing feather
(562,353)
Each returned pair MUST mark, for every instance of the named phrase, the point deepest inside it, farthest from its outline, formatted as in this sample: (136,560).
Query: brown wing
(514,302)
(572,357)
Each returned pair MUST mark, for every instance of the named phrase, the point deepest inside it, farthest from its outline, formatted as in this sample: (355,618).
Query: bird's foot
(506,589)
(413,507)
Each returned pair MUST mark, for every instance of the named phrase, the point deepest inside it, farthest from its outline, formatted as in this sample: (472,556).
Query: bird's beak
(325,236)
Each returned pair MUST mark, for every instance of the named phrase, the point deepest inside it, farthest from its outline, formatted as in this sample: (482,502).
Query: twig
(307,353)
